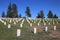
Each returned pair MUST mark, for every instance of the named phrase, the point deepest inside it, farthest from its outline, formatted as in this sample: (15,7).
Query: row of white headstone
(47,21)
(35,30)
(29,22)
(3,21)
(19,32)
(9,26)
(39,22)
(46,28)
(14,20)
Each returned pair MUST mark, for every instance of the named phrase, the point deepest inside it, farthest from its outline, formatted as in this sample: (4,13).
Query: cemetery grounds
(9,26)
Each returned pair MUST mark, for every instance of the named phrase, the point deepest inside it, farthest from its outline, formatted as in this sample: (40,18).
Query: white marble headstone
(44,23)
(18,32)
(49,23)
(21,25)
(10,21)
(54,27)
(30,24)
(9,26)
(35,30)
(4,23)
(46,29)
(14,22)
(38,24)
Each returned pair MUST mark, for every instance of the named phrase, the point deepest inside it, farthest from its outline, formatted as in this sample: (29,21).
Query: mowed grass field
(27,31)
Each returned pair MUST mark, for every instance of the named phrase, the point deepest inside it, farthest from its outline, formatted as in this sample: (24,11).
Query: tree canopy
(28,11)
(50,14)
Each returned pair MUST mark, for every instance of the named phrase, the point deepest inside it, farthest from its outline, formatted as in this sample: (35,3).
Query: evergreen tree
(3,14)
(14,11)
(28,11)
(38,16)
(50,14)
(55,16)
(41,14)
(9,13)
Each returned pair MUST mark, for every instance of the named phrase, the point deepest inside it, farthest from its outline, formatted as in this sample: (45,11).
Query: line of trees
(12,12)
(50,15)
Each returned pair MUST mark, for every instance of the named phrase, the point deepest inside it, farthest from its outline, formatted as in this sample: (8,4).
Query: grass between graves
(26,32)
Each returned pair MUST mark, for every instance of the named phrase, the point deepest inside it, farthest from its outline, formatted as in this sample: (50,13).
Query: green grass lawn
(27,31)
